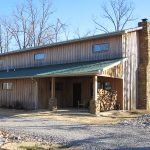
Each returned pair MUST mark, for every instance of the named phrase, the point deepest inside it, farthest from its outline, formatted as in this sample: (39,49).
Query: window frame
(100,85)
(38,57)
(7,86)
(101,47)
(107,85)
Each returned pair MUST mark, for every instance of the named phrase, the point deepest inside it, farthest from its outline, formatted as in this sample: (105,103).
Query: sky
(78,14)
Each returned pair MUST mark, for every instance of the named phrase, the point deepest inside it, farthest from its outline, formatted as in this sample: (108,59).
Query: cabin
(101,72)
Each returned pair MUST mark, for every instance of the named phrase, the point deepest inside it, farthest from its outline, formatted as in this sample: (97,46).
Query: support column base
(148,106)
(94,107)
(53,104)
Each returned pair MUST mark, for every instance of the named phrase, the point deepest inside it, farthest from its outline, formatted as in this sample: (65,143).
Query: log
(107,99)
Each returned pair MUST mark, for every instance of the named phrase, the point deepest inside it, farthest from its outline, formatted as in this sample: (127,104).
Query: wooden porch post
(95,88)
(53,88)
(53,100)
(94,103)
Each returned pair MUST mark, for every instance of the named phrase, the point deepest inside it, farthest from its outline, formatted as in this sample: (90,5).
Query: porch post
(53,87)
(94,103)
(95,88)
(36,94)
(53,100)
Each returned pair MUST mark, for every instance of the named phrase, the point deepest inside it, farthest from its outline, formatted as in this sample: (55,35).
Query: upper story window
(7,86)
(100,47)
(39,56)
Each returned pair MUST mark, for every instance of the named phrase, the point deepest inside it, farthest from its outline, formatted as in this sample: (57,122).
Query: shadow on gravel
(132,148)
(89,142)
(98,143)
(10,113)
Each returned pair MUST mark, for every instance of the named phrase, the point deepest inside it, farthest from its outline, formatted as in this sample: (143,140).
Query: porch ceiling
(71,69)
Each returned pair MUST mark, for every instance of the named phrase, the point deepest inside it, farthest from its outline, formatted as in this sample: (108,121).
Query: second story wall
(64,53)
(131,52)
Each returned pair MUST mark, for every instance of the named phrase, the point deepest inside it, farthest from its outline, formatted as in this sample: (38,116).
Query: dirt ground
(109,117)
(80,123)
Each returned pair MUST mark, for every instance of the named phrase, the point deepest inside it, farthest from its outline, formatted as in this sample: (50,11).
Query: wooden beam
(53,87)
(53,100)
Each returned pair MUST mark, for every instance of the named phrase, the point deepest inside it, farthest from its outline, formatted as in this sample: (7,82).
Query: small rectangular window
(107,86)
(39,56)
(100,47)
(7,86)
(99,85)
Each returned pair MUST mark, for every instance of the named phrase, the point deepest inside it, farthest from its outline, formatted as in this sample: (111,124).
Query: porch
(75,92)
(71,85)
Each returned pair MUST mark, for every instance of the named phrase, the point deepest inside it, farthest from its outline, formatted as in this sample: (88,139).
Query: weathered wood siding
(35,93)
(130,51)
(66,53)
(65,99)
(22,94)
(44,92)
(85,90)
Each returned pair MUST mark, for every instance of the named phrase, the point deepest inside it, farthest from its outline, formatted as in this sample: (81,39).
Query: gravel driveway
(80,136)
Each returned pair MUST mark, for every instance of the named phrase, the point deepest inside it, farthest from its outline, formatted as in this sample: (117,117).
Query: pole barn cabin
(102,72)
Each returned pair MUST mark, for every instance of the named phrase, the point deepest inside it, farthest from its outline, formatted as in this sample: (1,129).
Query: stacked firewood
(108,99)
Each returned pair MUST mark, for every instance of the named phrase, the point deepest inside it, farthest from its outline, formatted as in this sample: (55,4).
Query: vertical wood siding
(26,93)
(67,53)
(130,51)
(22,94)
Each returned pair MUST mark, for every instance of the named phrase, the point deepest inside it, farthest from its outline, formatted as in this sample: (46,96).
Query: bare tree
(116,12)
(5,39)
(77,33)
(31,26)
(66,32)
(1,46)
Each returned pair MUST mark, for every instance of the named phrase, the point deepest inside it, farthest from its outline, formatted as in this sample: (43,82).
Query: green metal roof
(70,69)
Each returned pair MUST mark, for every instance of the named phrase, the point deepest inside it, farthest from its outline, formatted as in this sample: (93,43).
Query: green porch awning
(71,69)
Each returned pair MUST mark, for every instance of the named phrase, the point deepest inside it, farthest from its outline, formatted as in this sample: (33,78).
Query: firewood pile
(108,99)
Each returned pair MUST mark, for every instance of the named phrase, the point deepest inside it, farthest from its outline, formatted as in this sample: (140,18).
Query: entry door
(76,94)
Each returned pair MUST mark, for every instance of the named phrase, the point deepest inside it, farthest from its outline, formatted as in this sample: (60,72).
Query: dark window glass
(99,85)
(107,86)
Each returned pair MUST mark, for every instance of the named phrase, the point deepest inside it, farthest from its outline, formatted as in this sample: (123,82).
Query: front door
(76,94)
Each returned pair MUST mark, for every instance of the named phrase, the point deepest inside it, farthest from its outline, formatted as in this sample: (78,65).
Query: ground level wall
(35,93)
(22,94)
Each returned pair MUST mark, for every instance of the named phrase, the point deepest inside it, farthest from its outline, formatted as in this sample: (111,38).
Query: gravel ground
(80,136)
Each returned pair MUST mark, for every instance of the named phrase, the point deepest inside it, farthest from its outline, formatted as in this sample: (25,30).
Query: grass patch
(35,147)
